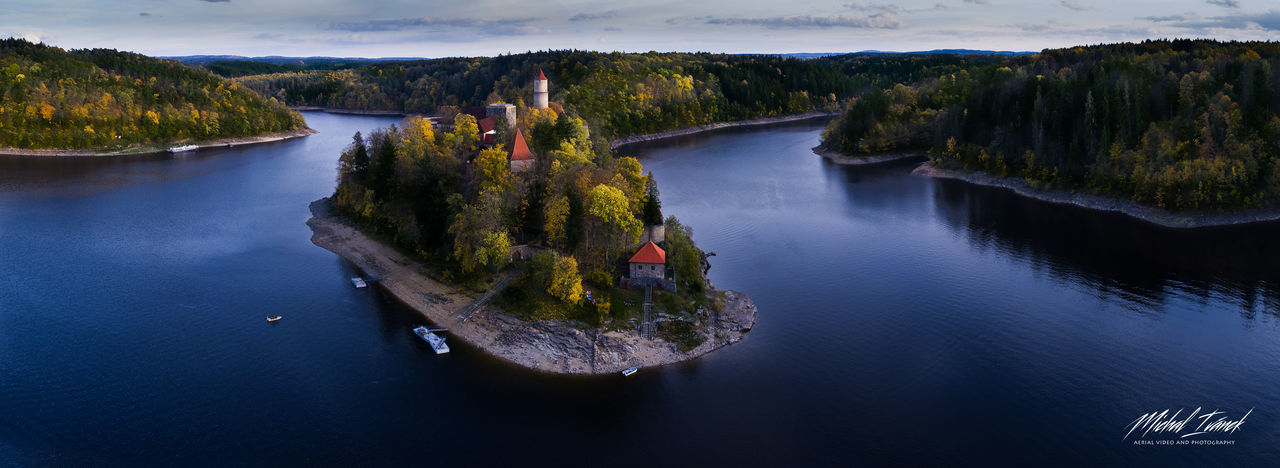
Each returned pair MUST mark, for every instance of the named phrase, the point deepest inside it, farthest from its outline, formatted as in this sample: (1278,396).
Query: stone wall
(648,270)
(655,233)
(507,110)
(521,165)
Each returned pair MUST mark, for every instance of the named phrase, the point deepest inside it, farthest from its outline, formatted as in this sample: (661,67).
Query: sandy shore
(547,346)
(615,144)
(1098,202)
(151,149)
(869,160)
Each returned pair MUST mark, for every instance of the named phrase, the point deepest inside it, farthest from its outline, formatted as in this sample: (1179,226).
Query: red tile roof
(541,77)
(519,149)
(486,124)
(649,253)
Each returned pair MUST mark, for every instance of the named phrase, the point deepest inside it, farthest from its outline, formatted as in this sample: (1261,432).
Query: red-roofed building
(487,133)
(520,158)
(649,262)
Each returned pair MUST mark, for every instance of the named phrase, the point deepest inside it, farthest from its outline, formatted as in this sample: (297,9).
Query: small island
(542,251)
(101,102)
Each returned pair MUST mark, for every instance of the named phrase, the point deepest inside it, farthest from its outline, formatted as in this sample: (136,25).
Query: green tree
(683,257)
(495,250)
(651,213)
(359,158)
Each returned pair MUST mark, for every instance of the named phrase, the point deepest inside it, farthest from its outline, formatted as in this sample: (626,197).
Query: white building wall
(540,94)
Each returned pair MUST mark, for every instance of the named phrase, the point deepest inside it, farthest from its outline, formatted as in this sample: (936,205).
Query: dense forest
(1183,124)
(100,98)
(617,94)
(451,201)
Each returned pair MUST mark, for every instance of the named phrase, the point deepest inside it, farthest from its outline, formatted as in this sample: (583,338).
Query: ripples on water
(903,320)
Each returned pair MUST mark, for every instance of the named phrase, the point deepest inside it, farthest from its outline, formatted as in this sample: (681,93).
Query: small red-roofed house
(649,262)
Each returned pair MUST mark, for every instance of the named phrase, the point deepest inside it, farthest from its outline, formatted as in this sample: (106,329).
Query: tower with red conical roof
(540,91)
(520,158)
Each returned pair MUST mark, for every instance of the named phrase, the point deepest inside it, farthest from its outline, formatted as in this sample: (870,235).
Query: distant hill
(813,55)
(282,60)
(101,98)
(1006,53)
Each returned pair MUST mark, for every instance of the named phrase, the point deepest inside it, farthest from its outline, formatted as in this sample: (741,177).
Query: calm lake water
(902,320)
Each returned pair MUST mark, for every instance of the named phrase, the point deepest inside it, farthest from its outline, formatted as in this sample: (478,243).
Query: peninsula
(539,250)
(92,102)
(552,346)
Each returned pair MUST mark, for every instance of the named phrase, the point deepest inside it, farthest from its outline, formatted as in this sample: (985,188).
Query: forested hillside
(100,98)
(1176,124)
(617,94)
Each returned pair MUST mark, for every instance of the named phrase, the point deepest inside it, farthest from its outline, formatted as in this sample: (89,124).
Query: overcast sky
(377,28)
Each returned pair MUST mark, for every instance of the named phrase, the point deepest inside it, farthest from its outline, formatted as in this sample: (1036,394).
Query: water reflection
(1118,256)
(81,176)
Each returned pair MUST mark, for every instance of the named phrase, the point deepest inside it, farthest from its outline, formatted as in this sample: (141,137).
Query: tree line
(103,98)
(617,94)
(1177,124)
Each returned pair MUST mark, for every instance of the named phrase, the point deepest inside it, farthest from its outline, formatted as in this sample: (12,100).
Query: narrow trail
(495,289)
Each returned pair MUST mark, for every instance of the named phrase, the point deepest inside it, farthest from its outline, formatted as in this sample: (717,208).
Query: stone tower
(540,91)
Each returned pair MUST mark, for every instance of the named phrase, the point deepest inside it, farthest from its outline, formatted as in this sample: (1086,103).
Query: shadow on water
(1118,255)
(88,175)
(700,139)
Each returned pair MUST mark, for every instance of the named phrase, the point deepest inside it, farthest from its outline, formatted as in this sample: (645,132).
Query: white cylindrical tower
(540,91)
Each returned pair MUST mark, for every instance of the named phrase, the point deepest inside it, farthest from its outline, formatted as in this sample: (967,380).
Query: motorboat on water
(630,370)
(183,148)
(436,341)
(274,319)
(359,282)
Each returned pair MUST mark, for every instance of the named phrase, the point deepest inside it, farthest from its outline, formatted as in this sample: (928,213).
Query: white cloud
(876,21)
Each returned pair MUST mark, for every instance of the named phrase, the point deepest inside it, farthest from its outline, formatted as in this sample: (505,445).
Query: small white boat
(630,370)
(274,319)
(183,148)
(436,341)
(358,282)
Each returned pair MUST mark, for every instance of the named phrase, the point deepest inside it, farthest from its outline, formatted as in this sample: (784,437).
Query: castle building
(507,110)
(520,158)
(540,91)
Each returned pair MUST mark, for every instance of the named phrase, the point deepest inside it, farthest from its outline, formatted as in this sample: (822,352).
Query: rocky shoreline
(548,346)
(149,149)
(615,144)
(1103,203)
(842,159)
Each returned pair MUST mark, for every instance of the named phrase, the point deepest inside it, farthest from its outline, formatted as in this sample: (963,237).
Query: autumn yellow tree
(468,133)
(611,207)
(494,173)
(566,282)
(557,214)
